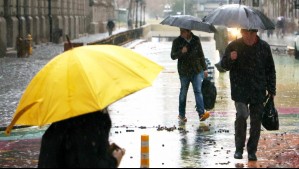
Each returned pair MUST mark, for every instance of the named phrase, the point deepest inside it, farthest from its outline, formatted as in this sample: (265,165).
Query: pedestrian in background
(110,26)
(130,23)
(252,76)
(80,142)
(192,68)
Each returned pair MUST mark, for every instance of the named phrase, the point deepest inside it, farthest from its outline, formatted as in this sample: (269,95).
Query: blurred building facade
(51,20)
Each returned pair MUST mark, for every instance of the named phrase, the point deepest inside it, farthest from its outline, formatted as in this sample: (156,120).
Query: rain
(153,111)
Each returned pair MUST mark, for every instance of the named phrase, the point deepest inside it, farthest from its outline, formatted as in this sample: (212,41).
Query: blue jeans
(196,81)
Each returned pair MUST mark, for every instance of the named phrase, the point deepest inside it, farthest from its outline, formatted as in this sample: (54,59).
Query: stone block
(3,39)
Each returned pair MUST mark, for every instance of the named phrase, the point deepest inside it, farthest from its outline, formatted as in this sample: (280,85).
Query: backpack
(209,93)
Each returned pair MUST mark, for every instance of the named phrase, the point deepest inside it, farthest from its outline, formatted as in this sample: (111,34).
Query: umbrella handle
(69,41)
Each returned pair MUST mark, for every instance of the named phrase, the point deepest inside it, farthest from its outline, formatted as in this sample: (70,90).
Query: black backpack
(209,93)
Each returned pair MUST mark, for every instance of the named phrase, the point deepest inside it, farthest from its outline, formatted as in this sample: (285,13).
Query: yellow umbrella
(83,80)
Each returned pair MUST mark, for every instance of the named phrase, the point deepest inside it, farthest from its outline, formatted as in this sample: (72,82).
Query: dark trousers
(110,32)
(243,112)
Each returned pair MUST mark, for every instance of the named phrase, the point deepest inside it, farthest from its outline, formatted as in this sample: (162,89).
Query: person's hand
(118,155)
(206,73)
(272,95)
(184,49)
(117,152)
(233,55)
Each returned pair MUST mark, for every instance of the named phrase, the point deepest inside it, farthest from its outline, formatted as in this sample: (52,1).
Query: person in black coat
(110,26)
(252,77)
(80,142)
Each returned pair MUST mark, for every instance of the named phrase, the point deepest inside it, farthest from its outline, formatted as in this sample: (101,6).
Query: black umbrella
(188,22)
(239,16)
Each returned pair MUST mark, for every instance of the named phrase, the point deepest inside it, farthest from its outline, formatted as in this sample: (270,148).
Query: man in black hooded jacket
(252,76)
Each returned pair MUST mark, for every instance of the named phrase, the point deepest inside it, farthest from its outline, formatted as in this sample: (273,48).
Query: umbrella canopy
(239,16)
(83,80)
(188,22)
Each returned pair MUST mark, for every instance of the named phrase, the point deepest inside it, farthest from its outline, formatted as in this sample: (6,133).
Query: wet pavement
(153,111)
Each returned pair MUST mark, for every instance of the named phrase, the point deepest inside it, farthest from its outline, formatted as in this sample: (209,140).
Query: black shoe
(252,157)
(238,155)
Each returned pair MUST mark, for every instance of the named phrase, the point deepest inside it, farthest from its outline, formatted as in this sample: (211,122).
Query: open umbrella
(239,16)
(188,22)
(82,80)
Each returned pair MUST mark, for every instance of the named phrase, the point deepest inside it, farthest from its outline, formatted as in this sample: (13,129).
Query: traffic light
(256,3)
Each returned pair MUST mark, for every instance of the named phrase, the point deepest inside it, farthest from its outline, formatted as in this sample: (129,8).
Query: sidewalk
(99,36)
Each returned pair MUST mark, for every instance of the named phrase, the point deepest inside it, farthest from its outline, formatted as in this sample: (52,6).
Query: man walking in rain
(252,76)
(192,68)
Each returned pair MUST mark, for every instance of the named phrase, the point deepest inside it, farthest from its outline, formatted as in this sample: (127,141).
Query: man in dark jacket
(192,68)
(110,26)
(252,76)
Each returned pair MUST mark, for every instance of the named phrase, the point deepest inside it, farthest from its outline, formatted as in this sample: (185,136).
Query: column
(102,14)
(57,26)
(28,17)
(71,19)
(12,23)
(43,20)
(94,24)
(3,38)
(76,18)
(65,18)
(21,18)
(36,22)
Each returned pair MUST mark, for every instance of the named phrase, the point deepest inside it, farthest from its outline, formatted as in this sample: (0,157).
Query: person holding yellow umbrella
(72,93)
(80,142)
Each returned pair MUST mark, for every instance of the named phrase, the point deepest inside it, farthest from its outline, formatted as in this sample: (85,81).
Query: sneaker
(204,116)
(183,119)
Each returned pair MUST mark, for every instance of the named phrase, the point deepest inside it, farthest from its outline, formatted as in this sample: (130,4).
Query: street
(153,111)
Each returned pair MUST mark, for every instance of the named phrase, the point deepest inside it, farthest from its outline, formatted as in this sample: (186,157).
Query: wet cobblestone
(16,74)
